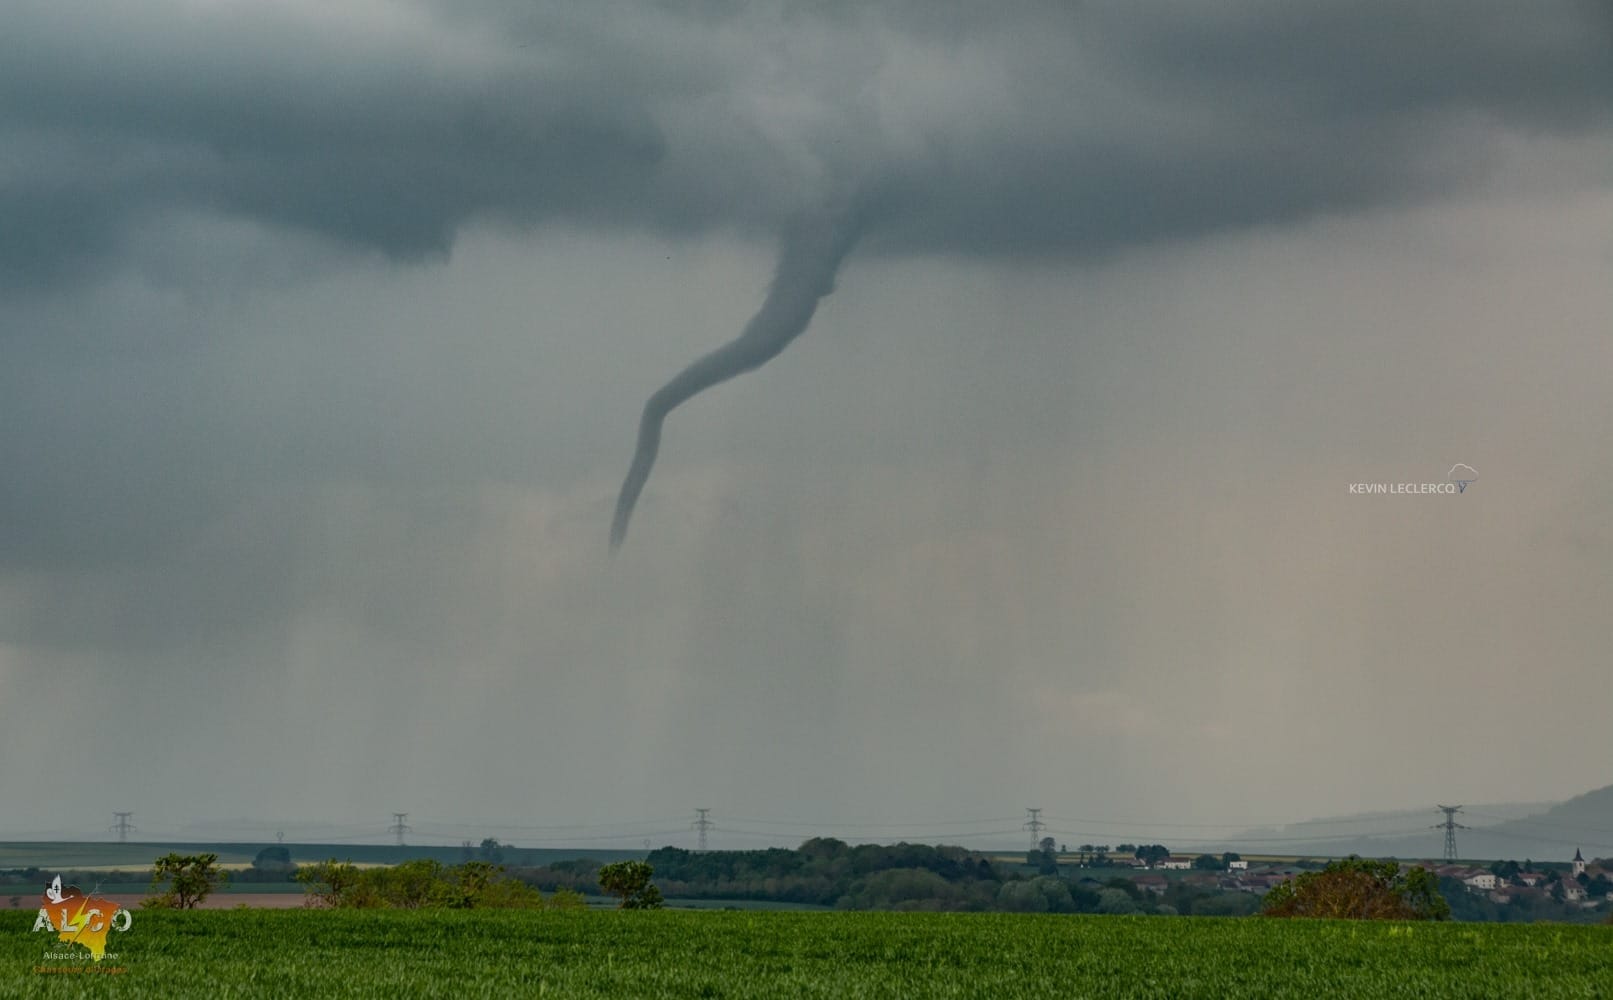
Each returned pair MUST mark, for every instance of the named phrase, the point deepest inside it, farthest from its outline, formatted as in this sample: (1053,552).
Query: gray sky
(327,327)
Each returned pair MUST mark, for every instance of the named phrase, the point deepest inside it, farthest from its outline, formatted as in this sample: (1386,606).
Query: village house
(1258,884)
(1480,882)
(1153,883)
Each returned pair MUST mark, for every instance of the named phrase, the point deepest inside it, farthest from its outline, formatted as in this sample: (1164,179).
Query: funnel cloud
(811,254)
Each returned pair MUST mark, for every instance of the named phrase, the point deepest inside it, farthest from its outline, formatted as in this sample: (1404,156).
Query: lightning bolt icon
(79,921)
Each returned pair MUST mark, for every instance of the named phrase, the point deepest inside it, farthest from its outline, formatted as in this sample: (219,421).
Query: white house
(1481,882)
(1238,866)
(1176,864)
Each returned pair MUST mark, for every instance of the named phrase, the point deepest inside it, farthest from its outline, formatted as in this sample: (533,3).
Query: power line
(1331,838)
(729,828)
(702,823)
(776,835)
(122,826)
(1147,823)
(961,831)
(1575,828)
(660,820)
(923,824)
(1035,825)
(1540,838)
(1450,826)
(606,836)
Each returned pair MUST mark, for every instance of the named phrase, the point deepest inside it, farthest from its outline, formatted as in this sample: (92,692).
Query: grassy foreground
(503,954)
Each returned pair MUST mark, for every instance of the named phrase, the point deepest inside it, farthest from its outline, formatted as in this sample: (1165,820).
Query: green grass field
(503,954)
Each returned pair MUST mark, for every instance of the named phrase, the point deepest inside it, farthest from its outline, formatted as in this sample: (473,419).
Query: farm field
(280,953)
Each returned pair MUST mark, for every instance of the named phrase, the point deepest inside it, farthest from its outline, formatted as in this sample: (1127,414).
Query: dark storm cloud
(1041,128)
(367,140)
(1131,124)
(1551,62)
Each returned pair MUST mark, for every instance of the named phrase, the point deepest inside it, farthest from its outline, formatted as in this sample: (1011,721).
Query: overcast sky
(326,328)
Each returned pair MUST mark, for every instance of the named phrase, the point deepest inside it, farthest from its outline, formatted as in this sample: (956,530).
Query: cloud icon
(1462,476)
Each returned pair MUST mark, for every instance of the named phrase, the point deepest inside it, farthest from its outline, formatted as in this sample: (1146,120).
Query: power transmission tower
(1035,825)
(1450,826)
(702,823)
(399,827)
(122,827)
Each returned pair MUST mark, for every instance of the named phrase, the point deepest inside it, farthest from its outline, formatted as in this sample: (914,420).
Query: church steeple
(1579,862)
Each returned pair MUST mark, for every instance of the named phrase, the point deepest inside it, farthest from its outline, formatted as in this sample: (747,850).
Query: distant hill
(1539,831)
(1584,822)
(1397,833)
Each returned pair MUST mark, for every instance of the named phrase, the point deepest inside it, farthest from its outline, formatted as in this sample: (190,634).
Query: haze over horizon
(1542,831)
(328,326)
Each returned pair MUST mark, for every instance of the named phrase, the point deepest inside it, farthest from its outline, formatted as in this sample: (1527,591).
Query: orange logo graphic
(80,919)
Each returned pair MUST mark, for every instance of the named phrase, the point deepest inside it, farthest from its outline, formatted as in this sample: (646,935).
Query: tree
(276,859)
(1116,902)
(1229,857)
(1209,863)
(191,878)
(631,881)
(1126,886)
(1023,897)
(823,848)
(415,884)
(1152,854)
(336,883)
(424,884)
(1045,859)
(1599,886)
(491,851)
(1360,889)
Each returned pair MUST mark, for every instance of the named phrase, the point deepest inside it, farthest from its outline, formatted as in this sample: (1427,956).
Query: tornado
(810,256)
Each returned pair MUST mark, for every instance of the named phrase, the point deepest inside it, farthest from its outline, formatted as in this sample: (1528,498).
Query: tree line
(829,872)
(825,871)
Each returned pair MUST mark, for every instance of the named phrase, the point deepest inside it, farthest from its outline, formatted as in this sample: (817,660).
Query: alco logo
(79,919)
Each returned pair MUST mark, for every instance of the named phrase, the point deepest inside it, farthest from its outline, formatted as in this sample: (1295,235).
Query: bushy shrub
(1360,889)
(424,884)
